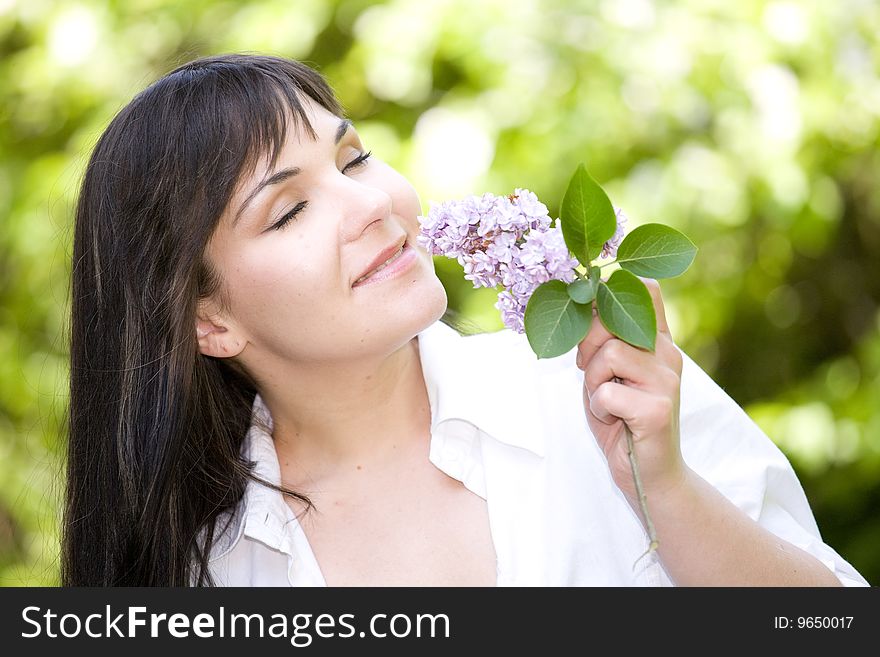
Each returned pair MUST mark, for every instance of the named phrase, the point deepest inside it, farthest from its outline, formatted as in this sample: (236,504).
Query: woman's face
(294,245)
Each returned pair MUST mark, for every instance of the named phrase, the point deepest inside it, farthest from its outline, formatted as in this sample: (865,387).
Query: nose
(368,208)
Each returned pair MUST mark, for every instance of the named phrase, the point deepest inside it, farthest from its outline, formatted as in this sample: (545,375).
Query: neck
(332,418)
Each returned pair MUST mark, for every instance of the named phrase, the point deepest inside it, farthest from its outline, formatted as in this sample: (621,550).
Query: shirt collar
(487,380)
(261,513)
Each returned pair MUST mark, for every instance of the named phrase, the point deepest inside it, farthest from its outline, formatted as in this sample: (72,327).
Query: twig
(640,491)
(643,499)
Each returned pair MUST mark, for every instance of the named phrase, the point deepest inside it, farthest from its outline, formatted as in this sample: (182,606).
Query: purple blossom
(531,208)
(512,311)
(480,268)
(503,240)
(609,249)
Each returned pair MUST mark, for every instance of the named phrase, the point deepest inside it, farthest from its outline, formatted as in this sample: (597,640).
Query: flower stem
(580,275)
(640,490)
(643,499)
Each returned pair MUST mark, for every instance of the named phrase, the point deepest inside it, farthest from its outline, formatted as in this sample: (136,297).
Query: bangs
(239,110)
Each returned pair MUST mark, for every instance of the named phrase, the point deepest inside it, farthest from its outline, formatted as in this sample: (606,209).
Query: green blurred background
(752,126)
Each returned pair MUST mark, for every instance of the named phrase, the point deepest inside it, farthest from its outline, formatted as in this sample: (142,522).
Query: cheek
(281,279)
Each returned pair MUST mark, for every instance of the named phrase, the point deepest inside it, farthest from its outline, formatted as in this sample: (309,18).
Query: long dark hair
(156,428)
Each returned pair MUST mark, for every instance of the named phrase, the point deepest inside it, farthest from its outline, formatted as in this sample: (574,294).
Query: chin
(412,313)
(430,305)
(405,307)
(441,303)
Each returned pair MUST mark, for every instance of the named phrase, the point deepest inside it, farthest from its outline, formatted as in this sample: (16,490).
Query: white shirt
(512,429)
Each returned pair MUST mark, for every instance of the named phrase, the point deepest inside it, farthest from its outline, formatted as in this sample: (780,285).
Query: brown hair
(156,428)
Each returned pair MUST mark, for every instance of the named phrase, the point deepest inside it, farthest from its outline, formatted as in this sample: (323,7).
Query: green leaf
(554,323)
(588,219)
(626,309)
(582,291)
(656,251)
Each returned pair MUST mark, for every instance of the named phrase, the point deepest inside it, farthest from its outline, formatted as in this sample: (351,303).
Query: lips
(390,252)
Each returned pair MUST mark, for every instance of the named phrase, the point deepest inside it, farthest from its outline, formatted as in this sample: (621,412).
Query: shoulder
(507,348)
(715,427)
(542,395)
(549,387)
(495,382)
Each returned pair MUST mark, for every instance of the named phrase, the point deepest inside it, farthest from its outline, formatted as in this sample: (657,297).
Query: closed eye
(281,223)
(359,161)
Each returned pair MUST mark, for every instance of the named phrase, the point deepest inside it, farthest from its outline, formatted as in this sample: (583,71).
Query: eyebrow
(285,174)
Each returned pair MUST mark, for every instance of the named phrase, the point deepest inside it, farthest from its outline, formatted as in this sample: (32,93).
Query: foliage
(624,304)
(751,126)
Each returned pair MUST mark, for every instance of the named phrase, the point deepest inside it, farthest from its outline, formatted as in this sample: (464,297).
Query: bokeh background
(753,126)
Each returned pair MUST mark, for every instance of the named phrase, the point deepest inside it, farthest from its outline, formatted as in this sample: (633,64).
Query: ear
(217,337)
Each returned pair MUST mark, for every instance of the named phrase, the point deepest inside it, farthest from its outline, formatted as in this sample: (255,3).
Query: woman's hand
(626,384)
(704,539)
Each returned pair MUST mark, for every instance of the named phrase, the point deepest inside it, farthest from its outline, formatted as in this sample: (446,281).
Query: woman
(262,393)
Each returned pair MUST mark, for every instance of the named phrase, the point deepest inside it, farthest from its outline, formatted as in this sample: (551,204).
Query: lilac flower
(530,207)
(503,248)
(542,256)
(480,268)
(548,247)
(512,311)
(500,240)
(609,249)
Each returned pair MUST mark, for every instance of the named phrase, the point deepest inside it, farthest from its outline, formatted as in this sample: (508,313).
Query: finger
(659,309)
(613,401)
(669,353)
(599,335)
(593,341)
(632,366)
(642,411)
(597,408)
